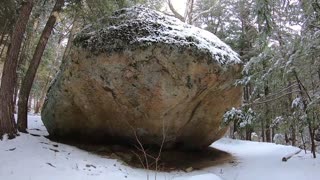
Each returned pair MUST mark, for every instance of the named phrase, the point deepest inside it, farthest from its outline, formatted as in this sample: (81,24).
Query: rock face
(144,76)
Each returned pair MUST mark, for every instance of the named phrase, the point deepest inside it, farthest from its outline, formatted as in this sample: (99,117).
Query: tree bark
(75,25)
(3,33)
(8,81)
(267,113)
(293,135)
(25,53)
(263,131)
(303,143)
(188,14)
(34,64)
(4,46)
(293,124)
(286,138)
(248,133)
(30,102)
(43,93)
(235,128)
(305,104)
(312,133)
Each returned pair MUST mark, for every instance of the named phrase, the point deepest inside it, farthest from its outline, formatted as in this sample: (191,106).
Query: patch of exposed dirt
(169,160)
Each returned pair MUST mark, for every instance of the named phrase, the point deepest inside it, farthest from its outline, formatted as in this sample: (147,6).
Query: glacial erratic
(144,76)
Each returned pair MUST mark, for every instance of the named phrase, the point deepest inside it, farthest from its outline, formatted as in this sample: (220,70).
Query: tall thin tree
(34,64)
(9,76)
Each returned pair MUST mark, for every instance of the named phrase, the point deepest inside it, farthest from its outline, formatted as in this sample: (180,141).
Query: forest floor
(34,157)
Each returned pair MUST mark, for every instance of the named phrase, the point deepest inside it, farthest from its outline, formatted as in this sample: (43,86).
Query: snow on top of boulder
(140,26)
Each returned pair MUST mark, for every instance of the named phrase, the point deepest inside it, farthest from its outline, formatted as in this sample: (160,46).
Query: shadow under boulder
(164,160)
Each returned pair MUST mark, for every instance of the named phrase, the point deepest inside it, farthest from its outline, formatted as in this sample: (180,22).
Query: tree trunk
(235,128)
(267,125)
(25,53)
(15,95)
(263,131)
(293,135)
(53,70)
(305,104)
(312,131)
(30,102)
(43,93)
(273,133)
(303,143)
(27,82)
(8,81)
(4,46)
(248,133)
(75,25)
(318,73)
(292,124)
(188,14)
(313,145)
(36,105)
(267,112)
(3,33)
(286,138)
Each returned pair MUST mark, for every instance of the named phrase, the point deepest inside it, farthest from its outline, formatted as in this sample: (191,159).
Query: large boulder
(143,77)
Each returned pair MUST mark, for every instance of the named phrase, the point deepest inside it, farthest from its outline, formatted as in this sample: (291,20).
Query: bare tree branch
(175,12)
(172,15)
(269,100)
(203,12)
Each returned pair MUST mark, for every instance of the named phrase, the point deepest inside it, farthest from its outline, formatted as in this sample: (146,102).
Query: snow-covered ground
(31,157)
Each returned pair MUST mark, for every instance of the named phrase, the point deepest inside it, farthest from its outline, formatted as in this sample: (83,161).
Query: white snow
(245,118)
(297,102)
(205,40)
(158,27)
(30,157)
(201,176)
(276,121)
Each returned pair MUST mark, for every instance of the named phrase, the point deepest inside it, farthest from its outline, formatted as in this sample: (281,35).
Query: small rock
(114,156)
(127,157)
(12,149)
(189,169)
(90,165)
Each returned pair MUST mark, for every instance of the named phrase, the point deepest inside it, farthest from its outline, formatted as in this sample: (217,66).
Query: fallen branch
(287,157)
